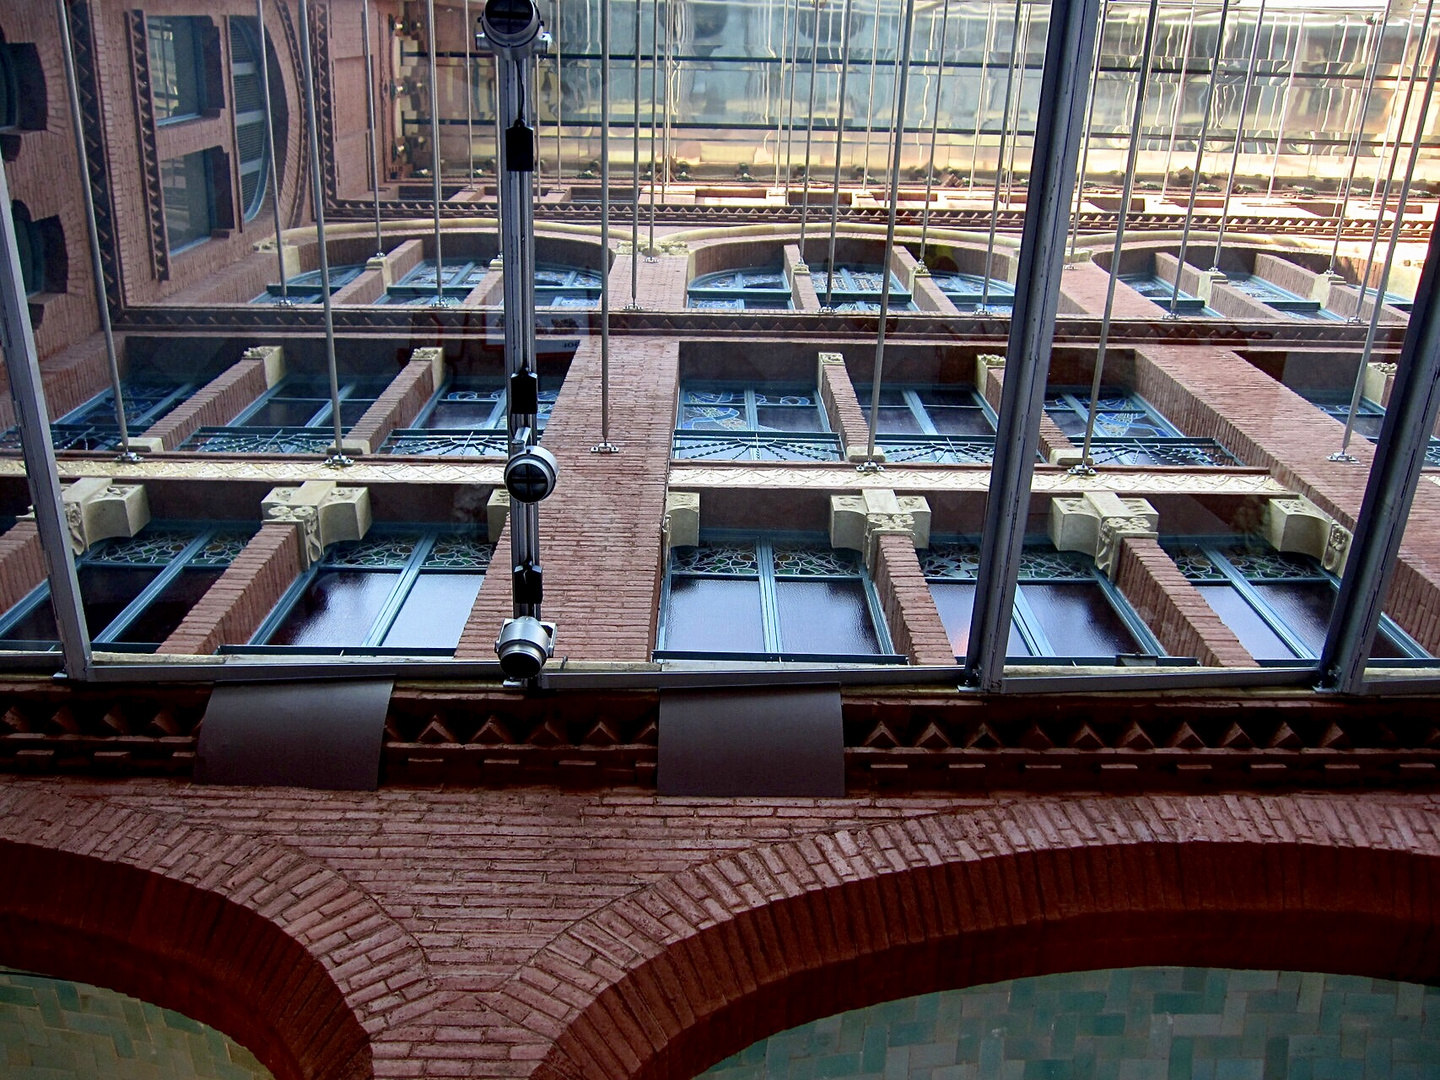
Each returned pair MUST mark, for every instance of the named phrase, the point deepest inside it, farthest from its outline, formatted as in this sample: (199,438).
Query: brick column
(914,621)
(1173,608)
(802,286)
(1055,445)
(22,563)
(842,406)
(926,293)
(402,400)
(660,285)
(1082,292)
(236,605)
(220,400)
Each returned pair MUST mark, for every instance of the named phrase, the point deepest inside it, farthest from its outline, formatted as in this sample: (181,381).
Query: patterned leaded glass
(459,553)
(732,558)
(757,446)
(1255,563)
(814,560)
(387,551)
(961,562)
(957,562)
(150,548)
(1195,564)
(222,549)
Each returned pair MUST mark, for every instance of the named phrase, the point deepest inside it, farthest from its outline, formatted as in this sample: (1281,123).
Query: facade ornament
(97,509)
(324,513)
(681,524)
(1294,523)
(858,521)
(1098,522)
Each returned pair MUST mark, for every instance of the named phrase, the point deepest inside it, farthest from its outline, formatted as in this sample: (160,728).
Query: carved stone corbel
(1097,523)
(858,521)
(1294,523)
(96,509)
(324,512)
(682,519)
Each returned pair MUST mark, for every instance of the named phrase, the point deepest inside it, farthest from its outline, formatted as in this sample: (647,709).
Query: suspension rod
(839,145)
(1085,136)
(1000,155)
(934,133)
(270,174)
(435,148)
(1342,196)
(809,131)
(1239,134)
(371,144)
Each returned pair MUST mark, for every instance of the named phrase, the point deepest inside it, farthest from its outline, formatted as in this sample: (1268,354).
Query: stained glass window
(720,422)
(754,287)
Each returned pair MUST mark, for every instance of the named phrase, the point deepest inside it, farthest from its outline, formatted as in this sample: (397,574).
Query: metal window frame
(208,168)
(197,60)
(780,297)
(319,418)
(766,578)
(241,25)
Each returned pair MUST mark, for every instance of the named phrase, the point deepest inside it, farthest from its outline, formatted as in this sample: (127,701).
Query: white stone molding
(1096,522)
(681,524)
(97,509)
(324,512)
(858,521)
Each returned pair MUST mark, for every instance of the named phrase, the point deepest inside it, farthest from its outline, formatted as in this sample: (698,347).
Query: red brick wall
(842,407)
(237,604)
(215,404)
(915,626)
(1173,608)
(22,563)
(398,405)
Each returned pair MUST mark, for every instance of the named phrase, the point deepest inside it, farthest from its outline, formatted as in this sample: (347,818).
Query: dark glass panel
(434,613)
(955,601)
(1254,633)
(825,617)
(189,199)
(461,414)
(107,590)
(283,412)
(714,615)
(38,625)
(895,420)
(163,614)
(351,410)
(338,609)
(961,421)
(787,418)
(1078,620)
(1304,606)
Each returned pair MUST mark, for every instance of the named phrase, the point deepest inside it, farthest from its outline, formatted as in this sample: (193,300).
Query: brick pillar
(926,293)
(1083,287)
(237,604)
(402,400)
(837,394)
(220,400)
(22,563)
(1173,608)
(601,544)
(802,286)
(660,285)
(1055,445)
(914,621)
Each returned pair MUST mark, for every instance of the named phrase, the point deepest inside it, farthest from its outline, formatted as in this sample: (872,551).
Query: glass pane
(1254,633)
(283,413)
(461,414)
(163,614)
(189,200)
(107,590)
(713,615)
(788,418)
(972,421)
(337,609)
(955,601)
(1078,620)
(434,613)
(825,617)
(895,420)
(38,625)
(1304,606)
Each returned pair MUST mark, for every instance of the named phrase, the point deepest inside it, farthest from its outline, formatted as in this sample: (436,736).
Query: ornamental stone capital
(1294,523)
(97,509)
(273,357)
(858,521)
(1098,522)
(322,511)
(681,524)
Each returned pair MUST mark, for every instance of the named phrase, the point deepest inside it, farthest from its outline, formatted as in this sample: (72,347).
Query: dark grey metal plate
(313,734)
(729,743)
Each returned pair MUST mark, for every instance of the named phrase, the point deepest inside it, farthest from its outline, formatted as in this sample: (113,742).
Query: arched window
(735,290)
(251,146)
(30,242)
(9,90)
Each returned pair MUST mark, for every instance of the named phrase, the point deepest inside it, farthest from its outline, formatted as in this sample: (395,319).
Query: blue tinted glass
(338,609)
(434,613)
(714,615)
(1254,633)
(825,616)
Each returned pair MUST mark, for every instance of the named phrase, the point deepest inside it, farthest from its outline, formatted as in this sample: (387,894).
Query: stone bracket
(984,362)
(497,513)
(682,519)
(97,509)
(324,512)
(1377,379)
(857,521)
(436,358)
(1294,523)
(274,358)
(1207,280)
(1096,523)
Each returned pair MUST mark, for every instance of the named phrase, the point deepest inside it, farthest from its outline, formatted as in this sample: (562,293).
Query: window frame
(409,292)
(195,33)
(968,302)
(1337,407)
(211,199)
(407,573)
(242,27)
(490,440)
(1276,297)
(756,443)
(292,438)
(1200,452)
(742,297)
(767,577)
(858,298)
(930,446)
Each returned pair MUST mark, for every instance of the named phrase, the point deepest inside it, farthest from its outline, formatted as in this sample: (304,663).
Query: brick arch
(237,931)
(681,974)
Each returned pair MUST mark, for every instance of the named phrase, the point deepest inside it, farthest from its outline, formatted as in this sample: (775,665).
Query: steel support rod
(337,457)
(1376,304)
(1137,123)
(809,132)
(870,99)
(559,97)
(1390,490)
(605,446)
(1199,157)
(1089,121)
(1285,107)
(907,25)
(934,134)
(839,145)
(1389,143)
(1239,134)
(782,97)
(634,304)
(435,149)
(22,363)
(470,103)
(1180,80)
(1021,65)
(654,102)
(1059,118)
(790,99)
(982,99)
(1000,156)
(102,303)
(670,85)
(371,144)
(1342,196)
(271,176)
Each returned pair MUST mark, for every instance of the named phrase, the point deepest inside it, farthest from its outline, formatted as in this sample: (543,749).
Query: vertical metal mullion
(292,596)
(1035,638)
(390,610)
(769,604)
(23,365)
(148,595)
(1390,489)
(1059,118)
(920,412)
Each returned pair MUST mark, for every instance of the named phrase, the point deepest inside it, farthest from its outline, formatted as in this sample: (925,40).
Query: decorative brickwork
(842,406)
(22,563)
(236,605)
(398,406)
(1173,608)
(915,627)
(217,403)
(138,38)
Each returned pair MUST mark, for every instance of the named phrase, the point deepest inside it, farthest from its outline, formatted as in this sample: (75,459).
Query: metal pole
(839,145)
(1058,121)
(1185,42)
(982,99)
(1376,304)
(271,175)
(1239,134)
(1389,491)
(1285,108)
(1199,158)
(790,100)
(870,105)
(907,23)
(809,134)
(785,31)
(435,151)
(1086,467)
(654,101)
(1085,138)
(1000,157)
(670,75)
(634,304)
(605,446)
(1022,64)
(102,304)
(1342,196)
(559,98)
(371,143)
(934,134)
(1387,142)
(337,457)
(23,365)
(470,105)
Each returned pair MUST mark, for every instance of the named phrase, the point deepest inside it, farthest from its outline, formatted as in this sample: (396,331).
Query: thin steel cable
(1285,108)
(870,99)
(982,99)
(1342,195)
(604,444)
(934,132)
(1000,155)
(790,99)
(1389,142)
(469,102)
(654,102)
(809,130)
(1085,136)
(1180,80)
(1239,135)
(839,145)
(373,143)
(782,96)
(271,175)
(634,304)
(435,149)
(1019,104)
